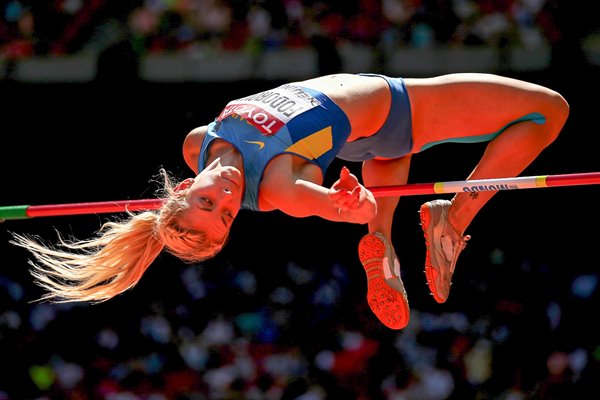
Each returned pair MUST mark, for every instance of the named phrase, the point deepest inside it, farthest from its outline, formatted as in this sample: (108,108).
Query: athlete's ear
(185,184)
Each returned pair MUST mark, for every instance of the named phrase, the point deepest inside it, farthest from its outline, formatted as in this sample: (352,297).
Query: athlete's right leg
(475,107)
(471,106)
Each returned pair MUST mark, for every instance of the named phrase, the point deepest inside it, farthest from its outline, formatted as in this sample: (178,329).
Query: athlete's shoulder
(191,146)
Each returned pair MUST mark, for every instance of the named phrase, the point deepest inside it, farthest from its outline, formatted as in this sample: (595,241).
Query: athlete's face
(215,198)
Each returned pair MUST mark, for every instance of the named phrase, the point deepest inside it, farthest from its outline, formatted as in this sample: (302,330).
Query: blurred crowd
(303,331)
(57,27)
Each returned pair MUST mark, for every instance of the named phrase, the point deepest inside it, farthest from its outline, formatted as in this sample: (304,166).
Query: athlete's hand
(347,194)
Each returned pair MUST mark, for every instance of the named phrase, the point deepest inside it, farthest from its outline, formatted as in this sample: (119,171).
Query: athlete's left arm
(346,201)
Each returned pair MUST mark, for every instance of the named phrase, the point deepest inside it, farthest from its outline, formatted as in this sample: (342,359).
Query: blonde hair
(114,261)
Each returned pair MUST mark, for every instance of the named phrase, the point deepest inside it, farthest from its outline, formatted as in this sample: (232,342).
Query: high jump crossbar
(480,185)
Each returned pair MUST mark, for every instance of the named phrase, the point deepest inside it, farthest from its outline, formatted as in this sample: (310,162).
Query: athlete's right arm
(346,201)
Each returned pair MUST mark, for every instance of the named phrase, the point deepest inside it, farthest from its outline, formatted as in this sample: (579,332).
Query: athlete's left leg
(386,294)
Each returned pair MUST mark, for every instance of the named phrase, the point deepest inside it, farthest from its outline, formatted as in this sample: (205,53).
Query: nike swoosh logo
(260,144)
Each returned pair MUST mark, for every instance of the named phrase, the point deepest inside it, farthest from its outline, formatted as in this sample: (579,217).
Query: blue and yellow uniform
(297,120)
(313,128)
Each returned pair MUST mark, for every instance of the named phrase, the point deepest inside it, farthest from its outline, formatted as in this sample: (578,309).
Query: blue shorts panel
(394,139)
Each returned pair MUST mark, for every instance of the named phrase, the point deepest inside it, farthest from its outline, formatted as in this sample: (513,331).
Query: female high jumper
(270,151)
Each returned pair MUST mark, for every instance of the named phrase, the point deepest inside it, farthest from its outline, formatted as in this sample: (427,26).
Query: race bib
(270,110)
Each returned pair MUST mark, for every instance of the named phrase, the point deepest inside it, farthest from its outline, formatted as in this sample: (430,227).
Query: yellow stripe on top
(540,181)
(313,145)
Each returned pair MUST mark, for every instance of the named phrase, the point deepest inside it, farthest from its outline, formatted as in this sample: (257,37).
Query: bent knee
(556,111)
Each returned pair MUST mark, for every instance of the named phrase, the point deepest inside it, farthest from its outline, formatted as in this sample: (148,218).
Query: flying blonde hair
(114,261)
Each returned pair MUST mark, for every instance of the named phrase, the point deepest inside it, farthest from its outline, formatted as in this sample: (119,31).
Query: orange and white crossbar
(482,185)
(524,182)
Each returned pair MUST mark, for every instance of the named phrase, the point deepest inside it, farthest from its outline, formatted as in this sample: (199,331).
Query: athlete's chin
(233,175)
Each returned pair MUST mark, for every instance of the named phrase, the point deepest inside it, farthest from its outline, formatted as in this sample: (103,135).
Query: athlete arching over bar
(270,151)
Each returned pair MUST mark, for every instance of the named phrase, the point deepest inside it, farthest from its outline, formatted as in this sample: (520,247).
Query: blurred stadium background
(97,95)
